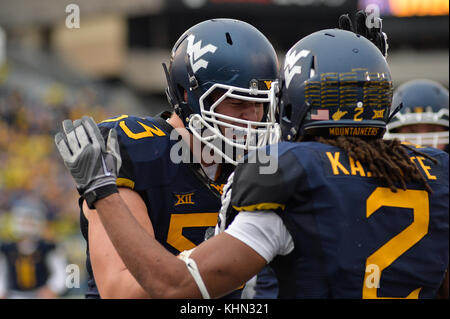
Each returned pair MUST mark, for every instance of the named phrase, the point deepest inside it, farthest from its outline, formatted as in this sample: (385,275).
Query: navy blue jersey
(27,272)
(182,203)
(353,236)
(266,286)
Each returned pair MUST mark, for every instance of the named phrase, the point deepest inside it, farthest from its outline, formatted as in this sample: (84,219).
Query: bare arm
(112,277)
(224,262)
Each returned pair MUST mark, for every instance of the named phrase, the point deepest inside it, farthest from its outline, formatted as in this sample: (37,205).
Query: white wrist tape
(193,269)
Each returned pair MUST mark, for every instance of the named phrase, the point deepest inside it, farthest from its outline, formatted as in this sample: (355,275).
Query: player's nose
(251,112)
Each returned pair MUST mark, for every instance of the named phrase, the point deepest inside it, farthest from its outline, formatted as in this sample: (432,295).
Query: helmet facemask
(28,222)
(232,137)
(433,139)
(423,118)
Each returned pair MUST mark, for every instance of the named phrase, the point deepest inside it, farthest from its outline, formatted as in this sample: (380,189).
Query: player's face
(423,128)
(234,108)
(240,109)
(244,110)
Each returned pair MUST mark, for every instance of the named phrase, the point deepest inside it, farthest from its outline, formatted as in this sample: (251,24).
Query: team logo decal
(377,114)
(338,115)
(290,69)
(196,51)
(184,199)
(218,188)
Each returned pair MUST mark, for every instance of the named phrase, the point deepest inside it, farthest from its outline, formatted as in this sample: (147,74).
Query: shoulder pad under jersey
(434,172)
(256,188)
(145,149)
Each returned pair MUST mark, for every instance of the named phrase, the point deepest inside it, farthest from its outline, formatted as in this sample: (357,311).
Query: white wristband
(193,269)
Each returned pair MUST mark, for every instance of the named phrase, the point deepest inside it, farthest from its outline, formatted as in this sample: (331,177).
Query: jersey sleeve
(145,147)
(265,233)
(255,189)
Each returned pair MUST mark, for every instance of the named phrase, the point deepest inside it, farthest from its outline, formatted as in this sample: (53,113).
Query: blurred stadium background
(111,65)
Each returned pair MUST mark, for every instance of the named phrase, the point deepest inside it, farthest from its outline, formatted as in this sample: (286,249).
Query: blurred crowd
(30,166)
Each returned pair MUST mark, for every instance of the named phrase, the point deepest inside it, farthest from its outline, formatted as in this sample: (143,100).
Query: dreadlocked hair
(388,160)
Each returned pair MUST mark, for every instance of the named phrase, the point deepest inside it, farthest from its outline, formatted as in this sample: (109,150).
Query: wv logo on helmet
(196,51)
(290,69)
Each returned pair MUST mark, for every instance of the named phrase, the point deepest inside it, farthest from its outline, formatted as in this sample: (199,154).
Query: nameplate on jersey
(338,164)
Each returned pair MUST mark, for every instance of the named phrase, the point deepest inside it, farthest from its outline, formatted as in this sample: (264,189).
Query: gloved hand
(92,163)
(373,33)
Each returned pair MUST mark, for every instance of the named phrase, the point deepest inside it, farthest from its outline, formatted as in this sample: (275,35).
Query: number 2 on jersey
(398,245)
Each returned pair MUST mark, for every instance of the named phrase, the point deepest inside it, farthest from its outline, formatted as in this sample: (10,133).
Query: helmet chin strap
(172,98)
(394,112)
(175,100)
(193,82)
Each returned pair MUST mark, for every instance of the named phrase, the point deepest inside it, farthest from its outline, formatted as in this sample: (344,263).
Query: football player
(346,215)
(423,118)
(30,267)
(266,282)
(219,78)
